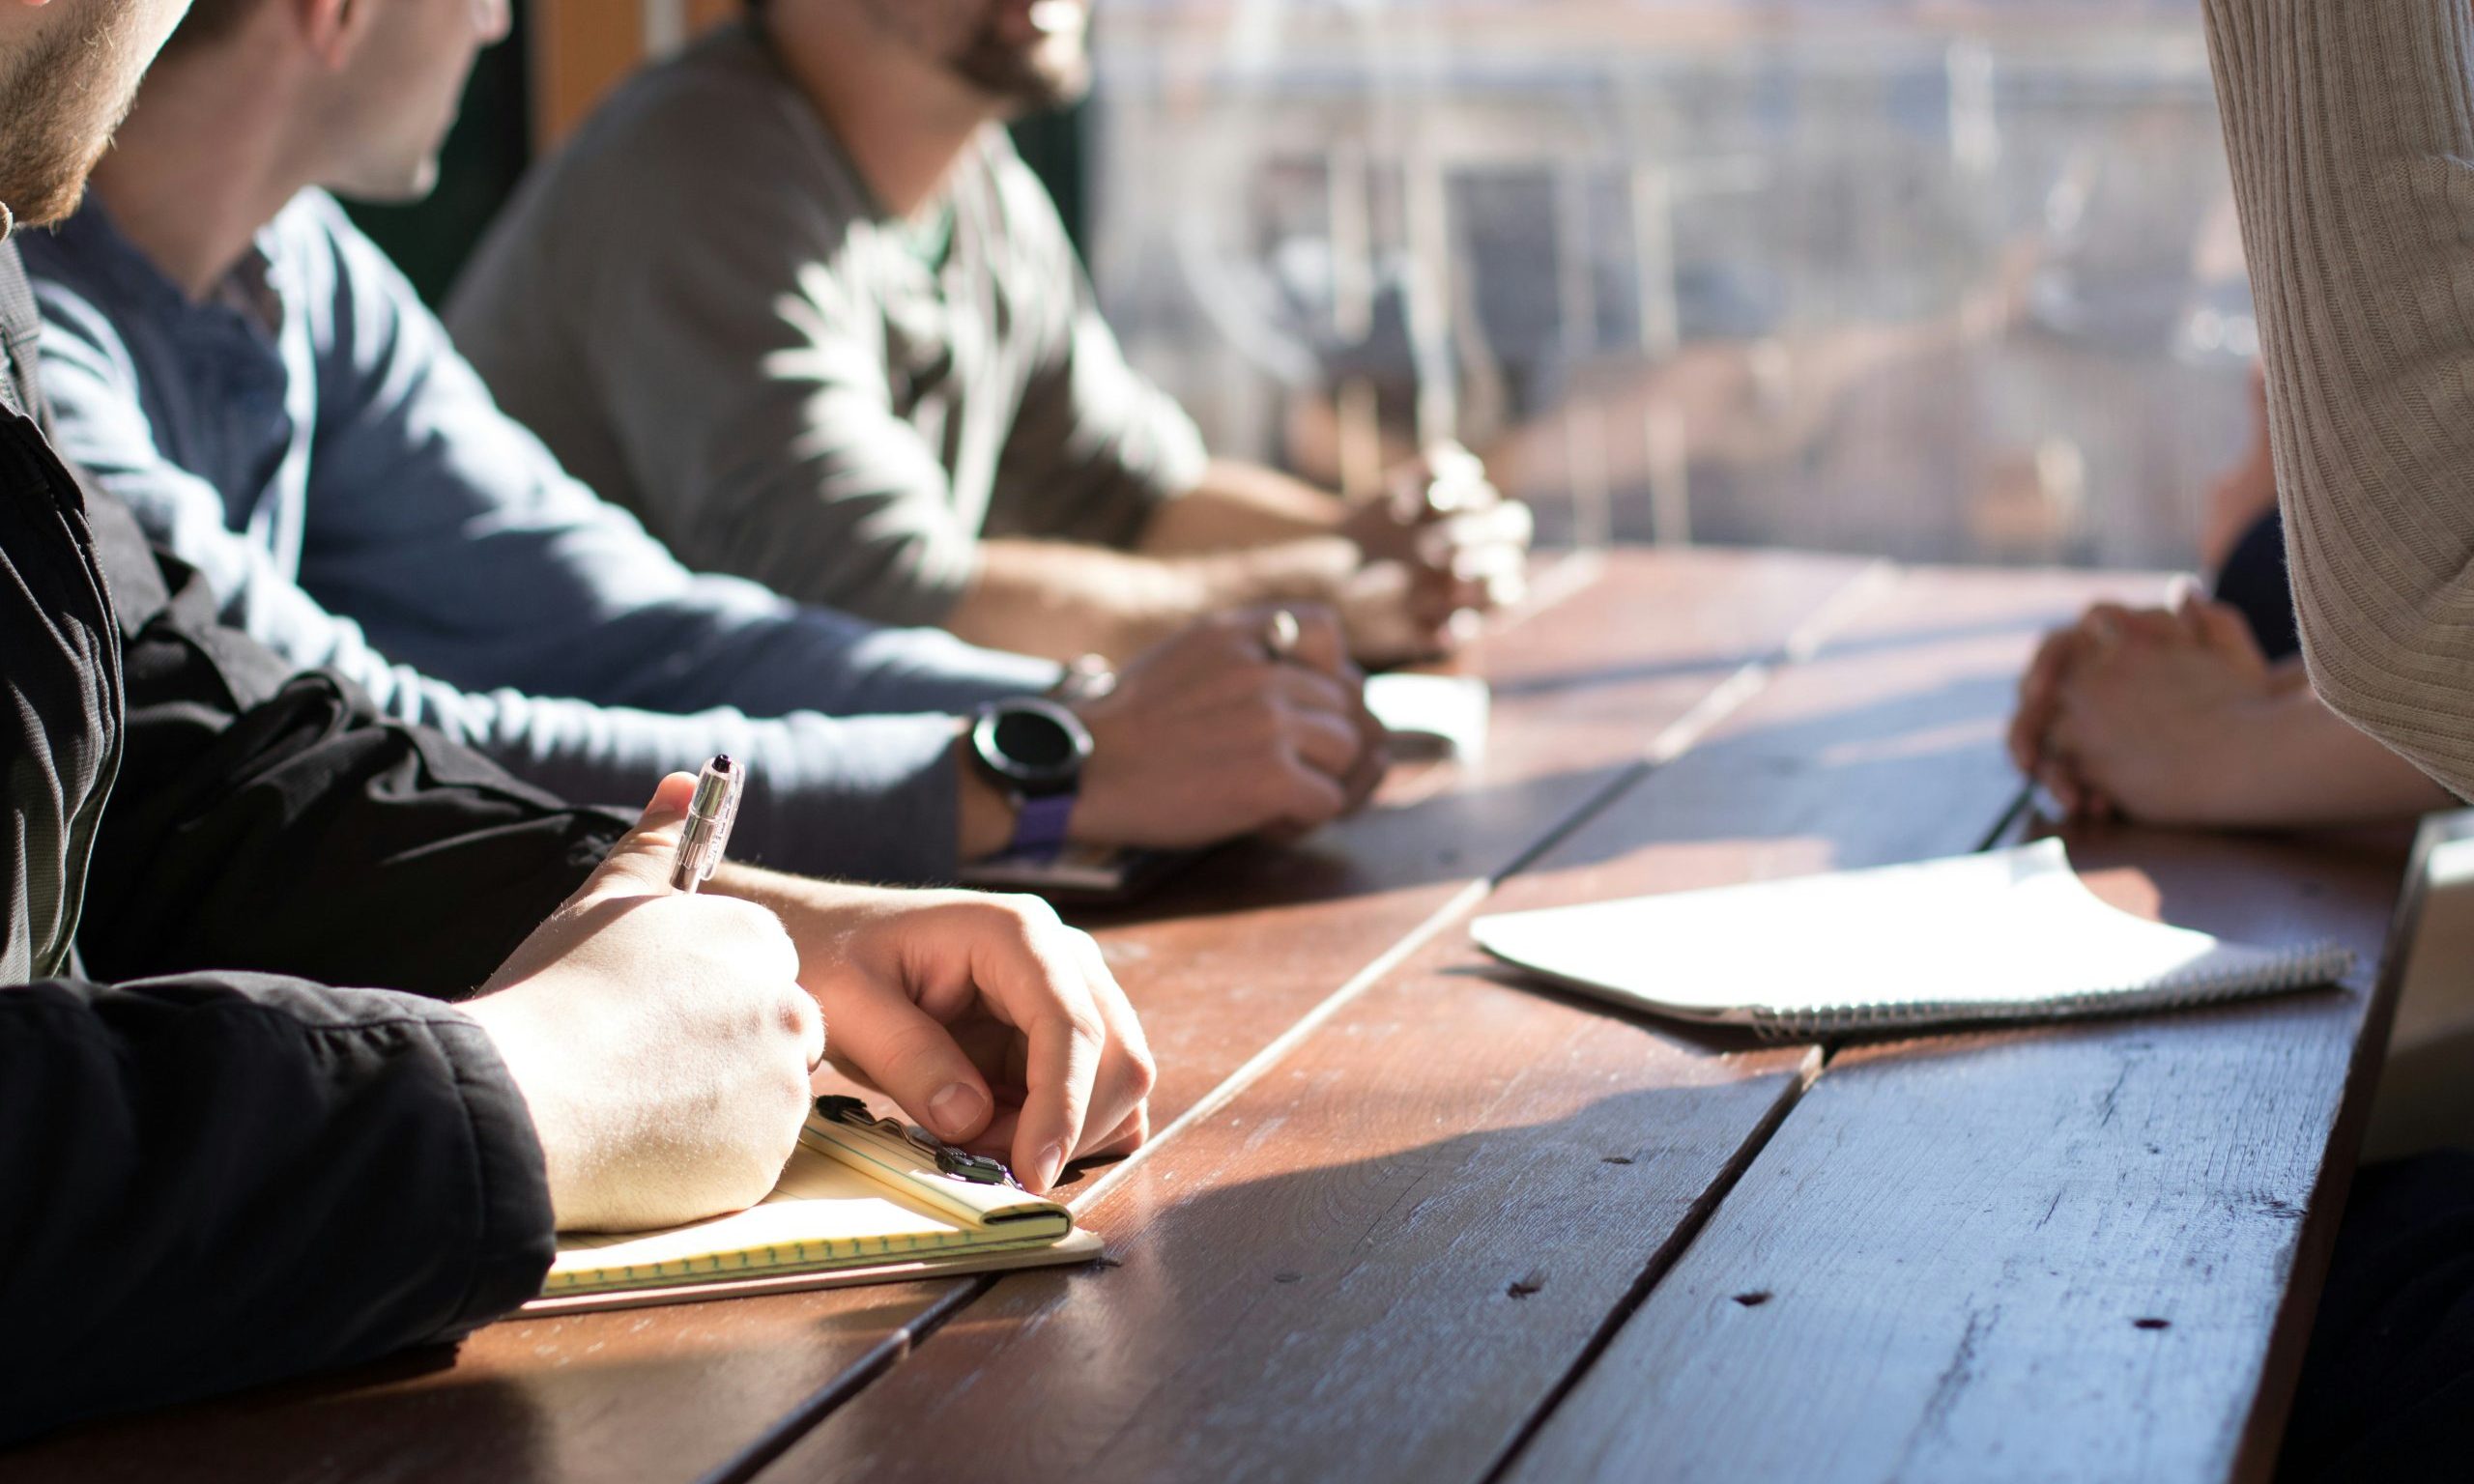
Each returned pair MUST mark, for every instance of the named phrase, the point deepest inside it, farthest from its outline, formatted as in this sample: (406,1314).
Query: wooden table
(1409,1219)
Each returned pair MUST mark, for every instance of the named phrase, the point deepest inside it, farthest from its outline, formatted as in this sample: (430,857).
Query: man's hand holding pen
(666,1042)
(661,1040)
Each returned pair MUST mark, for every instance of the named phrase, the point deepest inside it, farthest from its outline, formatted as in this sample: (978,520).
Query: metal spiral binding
(2321,961)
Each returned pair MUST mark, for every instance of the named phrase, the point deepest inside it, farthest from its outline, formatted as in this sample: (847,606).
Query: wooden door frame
(582,49)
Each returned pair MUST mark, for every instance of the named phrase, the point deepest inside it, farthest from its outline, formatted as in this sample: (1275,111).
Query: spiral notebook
(863,1199)
(1999,936)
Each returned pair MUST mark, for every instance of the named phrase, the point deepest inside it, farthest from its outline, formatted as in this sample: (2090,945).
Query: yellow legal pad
(856,1202)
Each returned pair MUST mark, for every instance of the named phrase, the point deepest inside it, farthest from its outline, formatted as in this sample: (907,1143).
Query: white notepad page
(2009,934)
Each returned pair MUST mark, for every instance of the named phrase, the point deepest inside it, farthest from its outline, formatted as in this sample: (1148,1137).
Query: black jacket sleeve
(218,1180)
(268,818)
(224,1175)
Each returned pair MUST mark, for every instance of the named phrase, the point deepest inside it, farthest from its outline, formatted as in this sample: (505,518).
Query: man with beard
(220,1167)
(262,388)
(794,300)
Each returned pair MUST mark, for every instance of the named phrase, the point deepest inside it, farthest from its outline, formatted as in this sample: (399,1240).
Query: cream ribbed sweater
(2351,128)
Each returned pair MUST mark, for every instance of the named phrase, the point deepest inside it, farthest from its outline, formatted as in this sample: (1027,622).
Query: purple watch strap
(1039,830)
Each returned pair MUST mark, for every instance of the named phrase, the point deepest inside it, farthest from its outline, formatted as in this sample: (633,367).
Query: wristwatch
(1035,750)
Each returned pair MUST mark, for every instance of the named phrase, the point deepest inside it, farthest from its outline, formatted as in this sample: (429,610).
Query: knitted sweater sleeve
(2349,125)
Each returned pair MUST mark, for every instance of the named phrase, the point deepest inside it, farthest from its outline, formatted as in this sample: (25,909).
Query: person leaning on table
(2351,128)
(792,299)
(2197,713)
(264,390)
(223,1164)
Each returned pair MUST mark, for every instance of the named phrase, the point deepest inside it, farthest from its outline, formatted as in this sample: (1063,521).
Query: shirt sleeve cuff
(865,798)
(516,1235)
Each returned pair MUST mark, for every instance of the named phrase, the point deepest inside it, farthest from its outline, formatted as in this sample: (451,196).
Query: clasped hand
(1210,736)
(2143,712)
(1441,543)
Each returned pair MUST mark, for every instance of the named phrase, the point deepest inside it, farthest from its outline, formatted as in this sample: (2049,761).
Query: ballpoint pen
(710,816)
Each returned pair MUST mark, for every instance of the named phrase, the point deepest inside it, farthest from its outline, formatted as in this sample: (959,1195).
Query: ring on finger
(1281,635)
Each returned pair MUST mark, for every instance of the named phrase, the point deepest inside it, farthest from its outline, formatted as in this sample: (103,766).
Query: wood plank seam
(1660,1263)
(1561,580)
(792,1425)
(1672,741)
(2009,829)
(1814,1065)
(1013,1325)
(2255,1457)
(1554,585)
(2255,1446)
(1565,579)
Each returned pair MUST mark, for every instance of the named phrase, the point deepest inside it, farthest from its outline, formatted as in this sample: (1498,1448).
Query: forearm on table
(1062,600)
(2317,768)
(1237,505)
(2350,129)
(866,797)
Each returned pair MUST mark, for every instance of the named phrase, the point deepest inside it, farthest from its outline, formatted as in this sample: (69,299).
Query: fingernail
(1049,1165)
(955,1111)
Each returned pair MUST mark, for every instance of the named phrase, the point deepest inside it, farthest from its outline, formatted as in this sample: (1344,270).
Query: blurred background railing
(1936,281)
(1952,280)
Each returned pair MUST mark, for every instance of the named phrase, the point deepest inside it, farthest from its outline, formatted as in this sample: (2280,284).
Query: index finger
(1116,1120)
(1042,992)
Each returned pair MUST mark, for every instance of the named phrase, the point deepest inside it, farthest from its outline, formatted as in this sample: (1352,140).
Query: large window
(1957,280)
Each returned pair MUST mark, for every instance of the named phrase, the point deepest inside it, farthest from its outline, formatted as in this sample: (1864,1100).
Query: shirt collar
(250,291)
(20,327)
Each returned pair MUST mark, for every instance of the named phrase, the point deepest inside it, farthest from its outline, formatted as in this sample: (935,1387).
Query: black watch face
(1038,747)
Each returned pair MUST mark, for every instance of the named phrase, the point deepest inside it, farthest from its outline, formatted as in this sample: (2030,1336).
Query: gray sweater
(2351,127)
(702,309)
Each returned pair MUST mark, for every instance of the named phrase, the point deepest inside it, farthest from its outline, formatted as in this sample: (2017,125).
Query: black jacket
(215,1169)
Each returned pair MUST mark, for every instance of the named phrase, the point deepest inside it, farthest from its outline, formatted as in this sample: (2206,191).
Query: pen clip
(953,1164)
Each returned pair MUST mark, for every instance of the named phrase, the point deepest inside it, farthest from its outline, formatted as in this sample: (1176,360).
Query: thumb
(902,1048)
(640,863)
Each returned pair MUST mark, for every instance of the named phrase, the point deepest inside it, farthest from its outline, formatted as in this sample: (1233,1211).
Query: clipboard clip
(951,1162)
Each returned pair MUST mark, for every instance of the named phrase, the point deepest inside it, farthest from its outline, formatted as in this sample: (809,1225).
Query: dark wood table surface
(1409,1218)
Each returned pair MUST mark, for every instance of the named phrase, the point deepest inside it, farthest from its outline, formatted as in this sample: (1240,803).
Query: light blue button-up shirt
(310,440)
